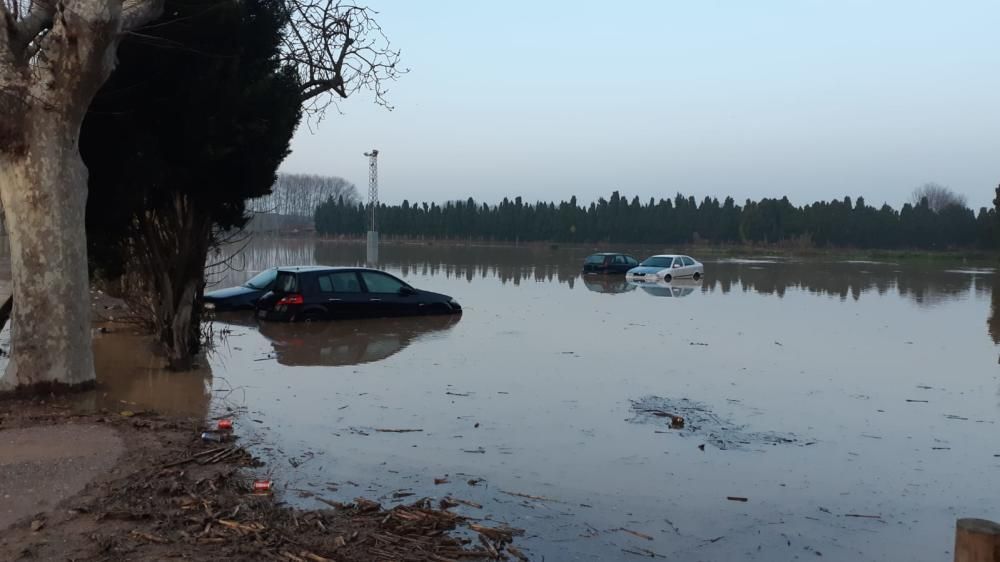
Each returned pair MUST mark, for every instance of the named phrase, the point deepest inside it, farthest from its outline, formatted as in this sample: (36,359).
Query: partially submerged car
(328,293)
(609,262)
(243,297)
(667,267)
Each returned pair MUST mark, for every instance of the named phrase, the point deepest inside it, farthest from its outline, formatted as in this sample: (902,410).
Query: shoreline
(168,494)
(713,250)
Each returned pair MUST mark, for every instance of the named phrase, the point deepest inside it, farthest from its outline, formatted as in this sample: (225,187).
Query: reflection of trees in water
(237,262)
(509,264)
(993,322)
(923,285)
(514,265)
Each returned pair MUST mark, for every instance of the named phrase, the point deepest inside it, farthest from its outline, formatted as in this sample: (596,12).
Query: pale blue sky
(811,99)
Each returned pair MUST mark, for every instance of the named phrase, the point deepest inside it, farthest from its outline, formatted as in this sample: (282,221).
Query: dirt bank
(153,490)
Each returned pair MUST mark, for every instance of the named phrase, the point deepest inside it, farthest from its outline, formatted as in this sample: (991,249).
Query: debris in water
(863,516)
(644,552)
(529,496)
(736,498)
(438,481)
(914,400)
(696,418)
(477,450)
(456,501)
(636,533)
(382,430)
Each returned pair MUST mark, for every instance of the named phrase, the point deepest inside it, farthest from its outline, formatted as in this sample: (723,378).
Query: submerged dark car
(243,297)
(329,293)
(608,262)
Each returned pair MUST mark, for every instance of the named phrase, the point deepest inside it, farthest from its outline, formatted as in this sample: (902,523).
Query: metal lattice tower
(373,185)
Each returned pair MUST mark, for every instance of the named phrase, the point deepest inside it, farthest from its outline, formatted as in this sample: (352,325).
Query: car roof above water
(314,268)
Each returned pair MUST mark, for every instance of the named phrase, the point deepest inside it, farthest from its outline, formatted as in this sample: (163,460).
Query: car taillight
(291,299)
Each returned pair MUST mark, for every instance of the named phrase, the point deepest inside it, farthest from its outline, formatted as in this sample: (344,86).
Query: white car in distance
(666,267)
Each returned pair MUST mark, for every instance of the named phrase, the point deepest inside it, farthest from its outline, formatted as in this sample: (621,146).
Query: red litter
(225,425)
(261,486)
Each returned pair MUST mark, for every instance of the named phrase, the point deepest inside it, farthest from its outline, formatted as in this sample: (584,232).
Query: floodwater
(820,391)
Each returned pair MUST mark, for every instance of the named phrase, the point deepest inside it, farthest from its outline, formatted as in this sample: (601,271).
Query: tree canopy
(680,220)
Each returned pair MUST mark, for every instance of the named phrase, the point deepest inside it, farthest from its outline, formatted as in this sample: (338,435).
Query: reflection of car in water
(607,284)
(675,288)
(349,342)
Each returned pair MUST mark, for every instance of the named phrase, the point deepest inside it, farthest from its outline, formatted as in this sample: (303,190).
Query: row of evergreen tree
(676,221)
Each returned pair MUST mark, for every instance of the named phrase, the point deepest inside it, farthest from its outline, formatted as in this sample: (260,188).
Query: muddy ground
(171,495)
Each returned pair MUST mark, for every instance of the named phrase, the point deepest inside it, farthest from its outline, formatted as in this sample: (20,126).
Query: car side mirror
(677,265)
(406,291)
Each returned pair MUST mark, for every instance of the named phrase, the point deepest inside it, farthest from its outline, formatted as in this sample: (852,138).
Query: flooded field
(843,410)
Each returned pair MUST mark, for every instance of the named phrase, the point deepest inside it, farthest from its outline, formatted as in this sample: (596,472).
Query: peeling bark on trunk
(44,193)
(53,59)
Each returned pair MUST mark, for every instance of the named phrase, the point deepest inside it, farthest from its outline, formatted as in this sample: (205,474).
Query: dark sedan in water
(608,262)
(243,297)
(328,293)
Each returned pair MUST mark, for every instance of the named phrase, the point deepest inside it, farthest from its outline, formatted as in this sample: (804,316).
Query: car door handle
(334,300)
(374,300)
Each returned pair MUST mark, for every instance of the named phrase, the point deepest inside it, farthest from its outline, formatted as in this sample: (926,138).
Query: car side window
(688,261)
(381,283)
(286,283)
(678,262)
(619,260)
(629,260)
(341,282)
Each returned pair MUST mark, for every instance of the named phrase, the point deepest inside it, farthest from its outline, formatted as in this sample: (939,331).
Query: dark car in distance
(609,262)
(243,297)
(330,293)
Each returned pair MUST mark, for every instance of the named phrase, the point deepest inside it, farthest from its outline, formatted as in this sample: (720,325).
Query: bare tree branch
(137,13)
(37,20)
(338,49)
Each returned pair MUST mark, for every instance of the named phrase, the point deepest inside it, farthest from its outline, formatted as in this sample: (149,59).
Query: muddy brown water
(835,388)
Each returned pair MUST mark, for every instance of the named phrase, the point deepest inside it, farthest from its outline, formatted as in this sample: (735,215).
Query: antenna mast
(373,186)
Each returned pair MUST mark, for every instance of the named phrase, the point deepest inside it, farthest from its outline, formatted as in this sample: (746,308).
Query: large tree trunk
(53,58)
(44,192)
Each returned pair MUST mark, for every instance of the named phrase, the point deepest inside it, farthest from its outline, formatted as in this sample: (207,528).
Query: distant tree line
(300,194)
(681,220)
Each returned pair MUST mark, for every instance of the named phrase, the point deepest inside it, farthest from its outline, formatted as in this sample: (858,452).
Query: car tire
(697,276)
(668,278)
(312,317)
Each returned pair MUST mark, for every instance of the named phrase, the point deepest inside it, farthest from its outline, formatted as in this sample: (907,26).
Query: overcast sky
(806,98)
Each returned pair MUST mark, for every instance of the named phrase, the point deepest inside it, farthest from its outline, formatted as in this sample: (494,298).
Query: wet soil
(170,495)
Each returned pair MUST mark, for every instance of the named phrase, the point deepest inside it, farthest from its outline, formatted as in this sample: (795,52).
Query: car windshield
(657,262)
(595,259)
(263,279)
